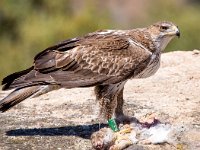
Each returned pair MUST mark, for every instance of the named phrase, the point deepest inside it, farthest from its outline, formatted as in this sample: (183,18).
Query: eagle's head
(162,33)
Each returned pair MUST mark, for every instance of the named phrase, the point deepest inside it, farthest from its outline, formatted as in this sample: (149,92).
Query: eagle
(105,59)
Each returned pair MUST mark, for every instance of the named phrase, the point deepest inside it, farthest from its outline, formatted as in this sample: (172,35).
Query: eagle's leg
(120,103)
(110,98)
(106,99)
(111,101)
(119,114)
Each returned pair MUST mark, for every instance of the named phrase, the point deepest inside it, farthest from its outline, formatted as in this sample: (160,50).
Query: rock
(47,122)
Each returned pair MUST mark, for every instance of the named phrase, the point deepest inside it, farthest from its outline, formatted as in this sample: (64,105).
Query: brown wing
(87,61)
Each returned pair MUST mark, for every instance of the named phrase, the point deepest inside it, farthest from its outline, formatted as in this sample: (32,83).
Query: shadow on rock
(83,131)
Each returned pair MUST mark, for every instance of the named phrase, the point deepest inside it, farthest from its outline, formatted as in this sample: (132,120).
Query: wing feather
(87,61)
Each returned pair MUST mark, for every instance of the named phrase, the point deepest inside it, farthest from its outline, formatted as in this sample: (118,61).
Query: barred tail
(21,94)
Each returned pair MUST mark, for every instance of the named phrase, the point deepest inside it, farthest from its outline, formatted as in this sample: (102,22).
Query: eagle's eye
(164,27)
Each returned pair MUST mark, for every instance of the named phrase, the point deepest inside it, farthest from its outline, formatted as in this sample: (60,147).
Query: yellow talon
(121,135)
(179,147)
(125,138)
(126,130)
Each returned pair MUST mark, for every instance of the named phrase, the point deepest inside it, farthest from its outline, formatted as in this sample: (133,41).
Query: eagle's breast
(151,68)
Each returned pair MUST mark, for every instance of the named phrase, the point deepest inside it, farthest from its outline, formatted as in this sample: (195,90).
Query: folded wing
(80,62)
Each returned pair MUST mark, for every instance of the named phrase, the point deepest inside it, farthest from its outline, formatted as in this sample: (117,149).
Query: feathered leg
(119,114)
(106,100)
(110,98)
(120,103)
(111,101)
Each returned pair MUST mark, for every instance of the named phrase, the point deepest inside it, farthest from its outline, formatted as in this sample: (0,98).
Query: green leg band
(113,125)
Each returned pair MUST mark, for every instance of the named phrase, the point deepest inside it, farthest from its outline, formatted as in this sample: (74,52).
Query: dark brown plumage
(105,59)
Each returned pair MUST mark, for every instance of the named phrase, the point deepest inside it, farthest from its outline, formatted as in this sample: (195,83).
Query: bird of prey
(105,59)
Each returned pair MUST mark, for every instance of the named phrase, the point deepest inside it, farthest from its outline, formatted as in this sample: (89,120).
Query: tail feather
(16,97)
(21,94)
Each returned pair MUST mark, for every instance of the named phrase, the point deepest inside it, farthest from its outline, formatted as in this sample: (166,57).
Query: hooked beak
(178,33)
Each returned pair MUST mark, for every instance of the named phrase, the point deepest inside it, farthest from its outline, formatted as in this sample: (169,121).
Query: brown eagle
(105,59)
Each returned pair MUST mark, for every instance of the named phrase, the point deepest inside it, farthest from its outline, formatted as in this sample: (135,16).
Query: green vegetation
(29,26)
